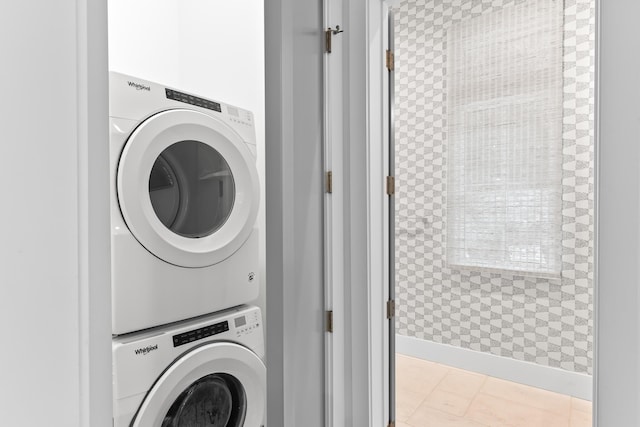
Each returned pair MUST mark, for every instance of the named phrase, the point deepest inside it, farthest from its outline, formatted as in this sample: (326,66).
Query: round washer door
(188,188)
(215,385)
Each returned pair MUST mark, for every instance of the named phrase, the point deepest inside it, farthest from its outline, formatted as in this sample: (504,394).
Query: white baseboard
(545,377)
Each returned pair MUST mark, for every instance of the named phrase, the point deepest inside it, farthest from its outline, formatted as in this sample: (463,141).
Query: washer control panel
(247,323)
(240,117)
(200,333)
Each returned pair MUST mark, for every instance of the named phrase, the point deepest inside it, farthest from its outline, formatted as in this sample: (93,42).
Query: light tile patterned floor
(434,395)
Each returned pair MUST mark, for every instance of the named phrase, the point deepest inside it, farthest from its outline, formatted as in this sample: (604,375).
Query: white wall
(54,266)
(39,252)
(212,48)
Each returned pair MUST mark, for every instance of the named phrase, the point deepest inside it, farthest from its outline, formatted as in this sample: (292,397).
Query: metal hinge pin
(391,185)
(391,309)
(328,34)
(390,60)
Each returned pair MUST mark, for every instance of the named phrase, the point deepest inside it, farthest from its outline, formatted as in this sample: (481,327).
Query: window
(504,190)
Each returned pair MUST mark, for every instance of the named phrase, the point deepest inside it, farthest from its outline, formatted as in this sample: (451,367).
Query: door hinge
(391,309)
(329,321)
(391,185)
(328,35)
(390,60)
(329,182)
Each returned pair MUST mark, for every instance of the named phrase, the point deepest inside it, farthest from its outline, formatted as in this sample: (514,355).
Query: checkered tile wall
(546,321)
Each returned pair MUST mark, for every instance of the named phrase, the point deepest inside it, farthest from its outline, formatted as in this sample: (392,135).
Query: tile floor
(433,395)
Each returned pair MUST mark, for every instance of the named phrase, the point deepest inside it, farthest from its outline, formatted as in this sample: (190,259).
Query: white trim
(386,214)
(596,395)
(377,213)
(94,239)
(334,298)
(532,374)
(616,298)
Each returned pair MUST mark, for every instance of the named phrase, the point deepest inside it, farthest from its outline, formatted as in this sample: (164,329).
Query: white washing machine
(184,202)
(201,372)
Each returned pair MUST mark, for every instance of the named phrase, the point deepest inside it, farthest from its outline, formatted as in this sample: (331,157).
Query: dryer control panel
(193,100)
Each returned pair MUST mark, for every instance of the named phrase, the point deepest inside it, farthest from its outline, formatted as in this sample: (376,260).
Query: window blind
(504,90)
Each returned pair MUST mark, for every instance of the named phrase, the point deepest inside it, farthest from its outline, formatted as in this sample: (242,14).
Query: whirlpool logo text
(138,86)
(146,350)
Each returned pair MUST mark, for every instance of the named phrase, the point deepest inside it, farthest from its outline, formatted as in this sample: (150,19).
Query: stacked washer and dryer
(187,350)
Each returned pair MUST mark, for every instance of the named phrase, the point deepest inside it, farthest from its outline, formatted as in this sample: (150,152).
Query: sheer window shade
(505,139)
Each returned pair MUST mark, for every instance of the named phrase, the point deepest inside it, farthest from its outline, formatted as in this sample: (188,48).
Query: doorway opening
(492,137)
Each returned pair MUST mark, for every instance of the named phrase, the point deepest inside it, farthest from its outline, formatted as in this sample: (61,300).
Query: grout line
(475,396)
(486,378)
(457,416)
(520,402)
(535,408)
(573,408)
(415,410)
(417,406)
(443,377)
(434,387)
(425,363)
(567,417)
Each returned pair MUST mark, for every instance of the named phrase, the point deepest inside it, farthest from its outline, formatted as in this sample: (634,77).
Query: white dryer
(201,372)
(184,202)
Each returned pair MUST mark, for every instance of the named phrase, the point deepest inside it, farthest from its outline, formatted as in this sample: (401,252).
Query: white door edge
(334,272)
(378,212)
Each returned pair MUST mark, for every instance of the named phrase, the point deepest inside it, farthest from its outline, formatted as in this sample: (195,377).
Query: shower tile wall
(546,321)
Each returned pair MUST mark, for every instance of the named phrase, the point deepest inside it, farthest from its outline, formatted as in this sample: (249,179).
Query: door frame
(357,105)
(377,22)
(616,300)
(375,103)
(390,230)
(378,207)
(333,143)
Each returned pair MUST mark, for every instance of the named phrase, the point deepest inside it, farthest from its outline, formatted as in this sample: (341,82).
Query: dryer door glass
(217,400)
(192,189)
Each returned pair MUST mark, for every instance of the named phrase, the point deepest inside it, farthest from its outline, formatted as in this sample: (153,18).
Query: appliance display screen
(240,321)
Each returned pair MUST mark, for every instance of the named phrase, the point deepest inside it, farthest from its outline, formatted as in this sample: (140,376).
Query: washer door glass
(217,400)
(218,384)
(191,189)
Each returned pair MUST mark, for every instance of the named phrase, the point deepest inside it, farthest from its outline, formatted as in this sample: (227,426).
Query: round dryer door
(215,385)
(188,188)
